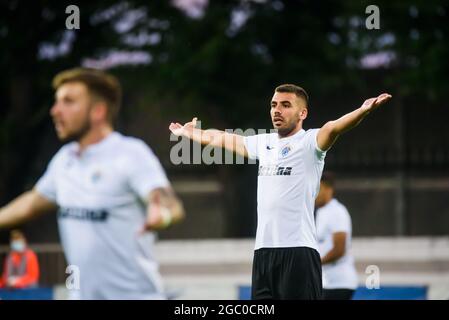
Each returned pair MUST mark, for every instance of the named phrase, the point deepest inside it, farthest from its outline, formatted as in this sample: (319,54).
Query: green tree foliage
(221,65)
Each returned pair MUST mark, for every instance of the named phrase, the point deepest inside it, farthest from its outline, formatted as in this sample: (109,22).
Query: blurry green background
(220,61)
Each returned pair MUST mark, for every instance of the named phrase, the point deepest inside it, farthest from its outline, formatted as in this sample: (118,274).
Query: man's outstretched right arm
(215,138)
(24,208)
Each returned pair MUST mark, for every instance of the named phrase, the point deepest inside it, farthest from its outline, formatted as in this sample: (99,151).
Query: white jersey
(290,169)
(332,218)
(102,197)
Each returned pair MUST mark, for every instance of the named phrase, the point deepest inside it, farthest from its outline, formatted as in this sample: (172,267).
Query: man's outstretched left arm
(330,132)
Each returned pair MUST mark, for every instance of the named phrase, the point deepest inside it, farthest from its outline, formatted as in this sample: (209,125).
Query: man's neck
(325,202)
(94,136)
(328,200)
(291,133)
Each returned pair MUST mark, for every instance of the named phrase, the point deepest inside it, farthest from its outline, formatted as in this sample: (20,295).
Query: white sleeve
(252,145)
(145,172)
(313,144)
(341,221)
(46,185)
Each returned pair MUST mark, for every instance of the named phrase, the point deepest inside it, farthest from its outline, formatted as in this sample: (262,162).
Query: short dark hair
(292,88)
(100,84)
(16,233)
(328,178)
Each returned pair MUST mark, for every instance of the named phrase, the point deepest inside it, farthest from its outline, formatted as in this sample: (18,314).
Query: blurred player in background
(286,263)
(21,268)
(110,190)
(334,233)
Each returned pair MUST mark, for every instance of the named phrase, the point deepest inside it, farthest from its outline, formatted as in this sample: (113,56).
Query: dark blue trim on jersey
(83,214)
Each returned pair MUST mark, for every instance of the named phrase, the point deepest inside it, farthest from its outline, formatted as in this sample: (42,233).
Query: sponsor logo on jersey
(275,170)
(83,214)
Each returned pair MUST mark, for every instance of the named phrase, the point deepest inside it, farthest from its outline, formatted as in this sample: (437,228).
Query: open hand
(180,130)
(373,103)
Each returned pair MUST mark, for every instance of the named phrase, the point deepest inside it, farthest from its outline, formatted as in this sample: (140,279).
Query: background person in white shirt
(109,189)
(286,262)
(334,232)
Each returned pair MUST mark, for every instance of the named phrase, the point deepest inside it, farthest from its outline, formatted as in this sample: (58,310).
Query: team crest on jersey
(96,176)
(285,151)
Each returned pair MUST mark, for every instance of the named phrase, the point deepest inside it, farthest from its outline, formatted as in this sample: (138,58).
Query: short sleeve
(250,143)
(312,143)
(46,185)
(145,172)
(253,145)
(341,221)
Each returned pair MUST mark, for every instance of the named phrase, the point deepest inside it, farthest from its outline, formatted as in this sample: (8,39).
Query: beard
(283,132)
(77,134)
(286,130)
(287,125)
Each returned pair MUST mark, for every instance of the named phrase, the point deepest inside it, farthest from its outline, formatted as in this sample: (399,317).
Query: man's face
(17,242)
(71,111)
(287,111)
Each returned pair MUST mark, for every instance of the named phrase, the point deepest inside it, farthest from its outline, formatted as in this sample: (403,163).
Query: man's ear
(99,111)
(303,114)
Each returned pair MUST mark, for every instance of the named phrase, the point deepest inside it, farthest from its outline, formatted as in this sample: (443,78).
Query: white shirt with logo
(102,196)
(290,169)
(330,219)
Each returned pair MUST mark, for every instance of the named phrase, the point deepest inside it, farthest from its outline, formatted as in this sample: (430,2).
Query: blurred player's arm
(330,132)
(164,209)
(338,249)
(215,138)
(25,207)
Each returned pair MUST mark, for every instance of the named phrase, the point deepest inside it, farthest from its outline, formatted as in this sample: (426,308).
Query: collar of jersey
(297,134)
(331,201)
(93,148)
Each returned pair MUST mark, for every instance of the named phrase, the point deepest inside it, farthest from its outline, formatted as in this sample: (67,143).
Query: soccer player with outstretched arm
(286,262)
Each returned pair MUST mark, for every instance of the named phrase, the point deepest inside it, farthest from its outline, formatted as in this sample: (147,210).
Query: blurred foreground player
(110,190)
(334,232)
(286,263)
